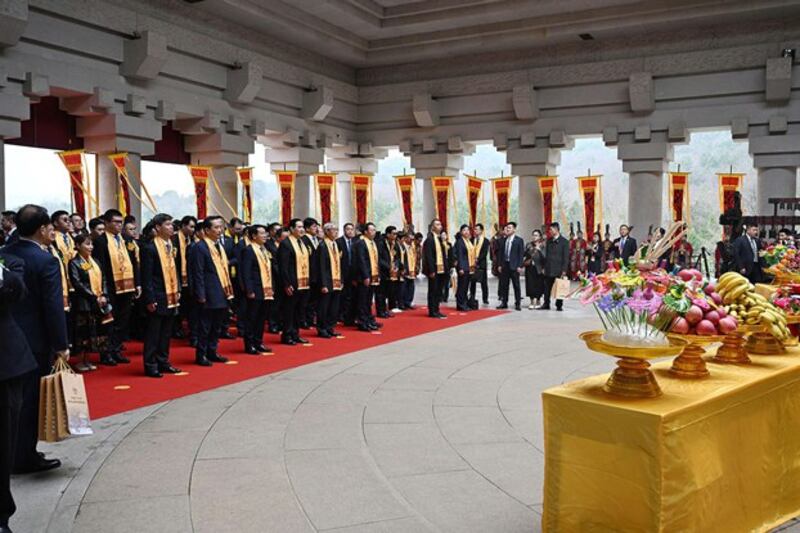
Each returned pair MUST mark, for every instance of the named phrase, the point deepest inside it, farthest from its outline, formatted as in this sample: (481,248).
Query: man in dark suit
(160,295)
(257,280)
(41,318)
(276,234)
(328,260)
(745,255)
(556,263)
(347,304)
(181,241)
(389,266)
(296,282)
(122,274)
(510,252)
(625,245)
(465,260)
(365,256)
(8,223)
(312,241)
(16,362)
(212,290)
(481,276)
(435,267)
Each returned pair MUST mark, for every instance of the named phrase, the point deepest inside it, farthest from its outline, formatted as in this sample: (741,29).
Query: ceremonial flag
(679,196)
(442,190)
(285,180)
(729,184)
(474,193)
(245,175)
(73,162)
(326,194)
(548,187)
(200,176)
(405,191)
(502,199)
(120,162)
(592,197)
(362,196)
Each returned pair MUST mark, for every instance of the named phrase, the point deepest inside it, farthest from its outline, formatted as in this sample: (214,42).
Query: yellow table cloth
(720,454)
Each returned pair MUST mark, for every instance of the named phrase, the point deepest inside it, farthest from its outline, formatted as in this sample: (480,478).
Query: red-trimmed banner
(245,175)
(442,190)
(502,199)
(326,195)
(548,187)
(120,162)
(729,184)
(405,191)
(591,194)
(200,175)
(362,197)
(285,180)
(73,162)
(679,196)
(474,193)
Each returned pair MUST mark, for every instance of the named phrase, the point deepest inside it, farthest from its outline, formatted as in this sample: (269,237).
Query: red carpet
(112,390)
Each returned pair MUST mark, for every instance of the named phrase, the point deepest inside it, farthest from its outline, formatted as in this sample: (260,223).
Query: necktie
(348,248)
(755,249)
(217,245)
(508,250)
(169,248)
(66,242)
(116,238)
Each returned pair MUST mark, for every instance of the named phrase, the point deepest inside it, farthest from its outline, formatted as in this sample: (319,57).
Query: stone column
(528,163)
(344,161)
(427,166)
(645,163)
(305,161)
(776,157)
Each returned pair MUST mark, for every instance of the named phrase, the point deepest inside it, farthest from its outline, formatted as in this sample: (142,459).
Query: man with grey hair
(327,268)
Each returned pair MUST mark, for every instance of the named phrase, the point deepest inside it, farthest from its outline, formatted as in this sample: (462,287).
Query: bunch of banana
(741,301)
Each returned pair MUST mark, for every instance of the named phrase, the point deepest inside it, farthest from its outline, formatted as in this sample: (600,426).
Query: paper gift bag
(76,403)
(560,289)
(52,425)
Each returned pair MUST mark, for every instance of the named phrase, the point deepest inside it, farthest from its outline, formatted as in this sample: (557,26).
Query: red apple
(679,325)
(710,288)
(685,275)
(727,324)
(694,315)
(716,298)
(713,317)
(706,327)
(722,312)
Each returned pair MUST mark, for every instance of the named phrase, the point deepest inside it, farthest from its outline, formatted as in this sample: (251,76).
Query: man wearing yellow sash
(63,240)
(294,259)
(312,240)
(410,270)
(255,276)
(328,267)
(120,268)
(465,260)
(390,271)
(367,274)
(481,265)
(161,292)
(181,240)
(210,281)
(435,267)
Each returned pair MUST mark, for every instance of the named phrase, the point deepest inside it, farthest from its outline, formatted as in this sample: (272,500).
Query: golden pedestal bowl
(632,378)
(690,364)
(761,342)
(732,351)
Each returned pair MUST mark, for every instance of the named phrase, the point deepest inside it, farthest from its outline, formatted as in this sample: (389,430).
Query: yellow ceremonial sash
(392,253)
(64,283)
(95,276)
(411,253)
(437,243)
(220,260)
(336,264)
(66,247)
(182,244)
(301,262)
(479,245)
(375,278)
(169,272)
(471,256)
(121,266)
(265,269)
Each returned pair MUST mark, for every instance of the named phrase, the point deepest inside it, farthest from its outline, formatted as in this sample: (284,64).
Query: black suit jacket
(324,266)
(385,258)
(204,280)
(348,263)
(288,263)
(81,297)
(517,253)
(429,255)
(461,255)
(176,243)
(250,274)
(628,250)
(483,254)
(16,357)
(100,254)
(556,257)
(743,255)
(40,315)
(153,288)
(361,260)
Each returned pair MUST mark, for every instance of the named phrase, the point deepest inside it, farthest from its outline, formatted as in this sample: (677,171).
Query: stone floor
(441,432)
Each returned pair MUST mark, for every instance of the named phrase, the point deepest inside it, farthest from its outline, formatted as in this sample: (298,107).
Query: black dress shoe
(178,335)
(217,358)
(378,325)
(502,306)
(290,342)
(251,351)
(107,361)
(334,333)
(440,315)
(486,302)
(40,464)
(366,328)
(193,343)
(559,308)
(156,374)
(300,340)
(373,327)
(169,370)
(203,362)
(324,334)
(274,329)
(544,308)
(263,349)
(518,307)
(121,359)
(227,336)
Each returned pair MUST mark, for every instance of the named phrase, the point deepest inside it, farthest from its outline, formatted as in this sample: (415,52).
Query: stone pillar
(427,166)
(776,157)
(528,164)
(344,161)
(645,163)
(305,161)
